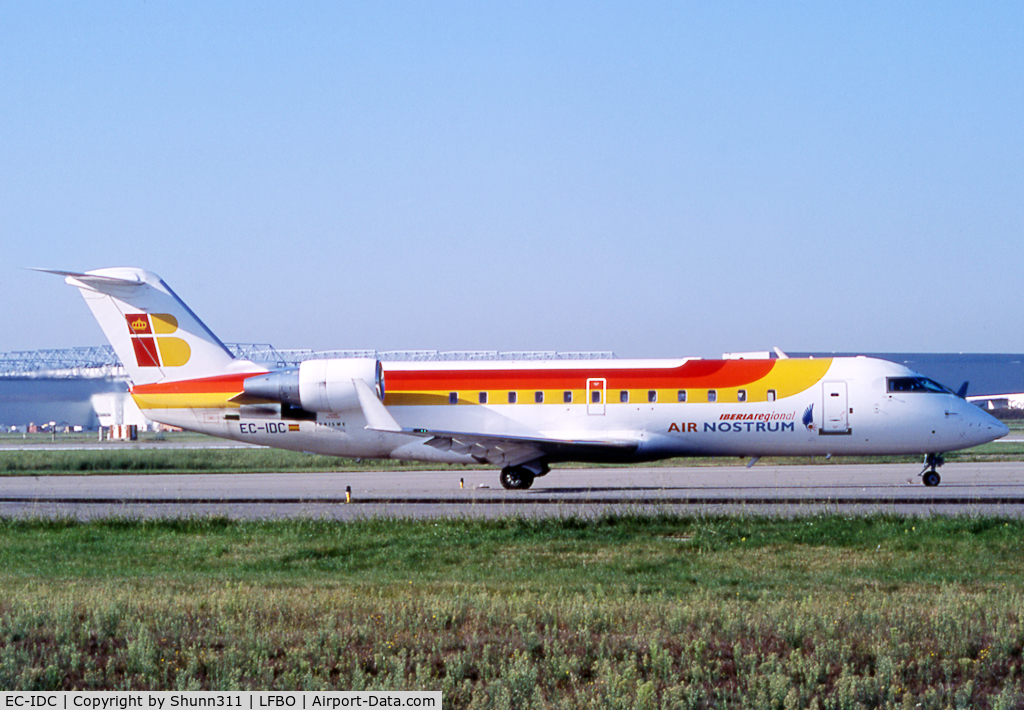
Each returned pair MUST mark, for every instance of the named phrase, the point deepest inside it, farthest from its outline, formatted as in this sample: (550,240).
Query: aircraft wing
(495,449)
(502,450)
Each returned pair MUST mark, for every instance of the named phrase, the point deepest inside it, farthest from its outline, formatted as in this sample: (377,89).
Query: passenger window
(682,395)
(567,397)
(624,396)
(741,395)
(652,395)
(538,397)
(453,398)
(771,396)
(512,397)
(595,396)
(483,398)
(712,396)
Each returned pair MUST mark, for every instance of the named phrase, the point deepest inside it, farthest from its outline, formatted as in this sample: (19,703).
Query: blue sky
(657,179)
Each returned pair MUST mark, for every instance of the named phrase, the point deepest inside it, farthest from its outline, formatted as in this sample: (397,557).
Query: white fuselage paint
(853,414)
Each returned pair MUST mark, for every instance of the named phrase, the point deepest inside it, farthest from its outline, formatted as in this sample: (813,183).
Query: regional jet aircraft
(523,416)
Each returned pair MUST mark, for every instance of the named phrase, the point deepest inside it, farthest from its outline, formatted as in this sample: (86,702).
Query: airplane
(523,416)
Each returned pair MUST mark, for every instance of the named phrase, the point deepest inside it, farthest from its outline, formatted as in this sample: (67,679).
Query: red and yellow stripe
(433,387)
(205,393)
(727,377)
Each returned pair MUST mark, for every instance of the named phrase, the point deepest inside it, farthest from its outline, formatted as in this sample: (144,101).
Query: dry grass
(619,612)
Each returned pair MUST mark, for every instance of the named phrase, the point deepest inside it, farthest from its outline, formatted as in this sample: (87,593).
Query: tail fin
(156,336)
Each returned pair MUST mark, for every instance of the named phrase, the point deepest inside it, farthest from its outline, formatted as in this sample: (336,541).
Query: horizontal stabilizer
(93,279)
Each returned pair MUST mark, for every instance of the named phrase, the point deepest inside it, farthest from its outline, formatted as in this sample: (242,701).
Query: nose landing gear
(929,476)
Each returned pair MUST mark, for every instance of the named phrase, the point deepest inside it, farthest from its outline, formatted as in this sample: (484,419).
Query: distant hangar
(87,387)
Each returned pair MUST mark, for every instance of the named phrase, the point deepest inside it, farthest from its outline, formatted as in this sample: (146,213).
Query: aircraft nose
(991,427)
(1002,430)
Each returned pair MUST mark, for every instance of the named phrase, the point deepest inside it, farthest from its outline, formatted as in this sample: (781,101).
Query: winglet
(378,418)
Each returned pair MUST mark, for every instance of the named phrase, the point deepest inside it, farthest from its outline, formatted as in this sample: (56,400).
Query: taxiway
(971,488)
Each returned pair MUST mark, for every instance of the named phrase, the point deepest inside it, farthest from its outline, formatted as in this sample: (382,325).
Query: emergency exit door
(595,395)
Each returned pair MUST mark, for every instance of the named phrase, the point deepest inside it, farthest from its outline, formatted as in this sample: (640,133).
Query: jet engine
(319,385)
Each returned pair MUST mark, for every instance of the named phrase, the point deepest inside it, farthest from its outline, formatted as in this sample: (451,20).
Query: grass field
(826,611)
(818,611)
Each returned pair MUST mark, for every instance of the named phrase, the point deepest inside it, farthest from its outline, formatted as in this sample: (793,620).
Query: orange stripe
(694,374)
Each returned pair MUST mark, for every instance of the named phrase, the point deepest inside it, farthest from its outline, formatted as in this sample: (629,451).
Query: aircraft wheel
(516,478)
(931,479)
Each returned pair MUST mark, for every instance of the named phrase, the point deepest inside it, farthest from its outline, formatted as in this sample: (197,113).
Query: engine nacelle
(319,385)
(326,385)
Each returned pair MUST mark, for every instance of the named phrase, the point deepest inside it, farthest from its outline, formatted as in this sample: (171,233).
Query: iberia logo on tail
(152,349)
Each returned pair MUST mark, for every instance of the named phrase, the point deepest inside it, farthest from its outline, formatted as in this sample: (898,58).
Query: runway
(970,488)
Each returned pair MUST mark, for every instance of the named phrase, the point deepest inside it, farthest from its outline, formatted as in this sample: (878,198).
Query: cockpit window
(916,384)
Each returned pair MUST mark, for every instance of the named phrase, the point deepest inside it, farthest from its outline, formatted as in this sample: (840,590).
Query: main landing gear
(521,477)
(516,478)
(929,476)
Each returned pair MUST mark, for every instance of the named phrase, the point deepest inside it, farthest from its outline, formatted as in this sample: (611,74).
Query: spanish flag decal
(151,349)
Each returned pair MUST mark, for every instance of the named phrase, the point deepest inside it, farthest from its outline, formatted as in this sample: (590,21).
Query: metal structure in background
(87,385)
(988,374)
(100,361)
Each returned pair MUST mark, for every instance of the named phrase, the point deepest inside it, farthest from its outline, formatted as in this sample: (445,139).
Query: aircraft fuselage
(831,406)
